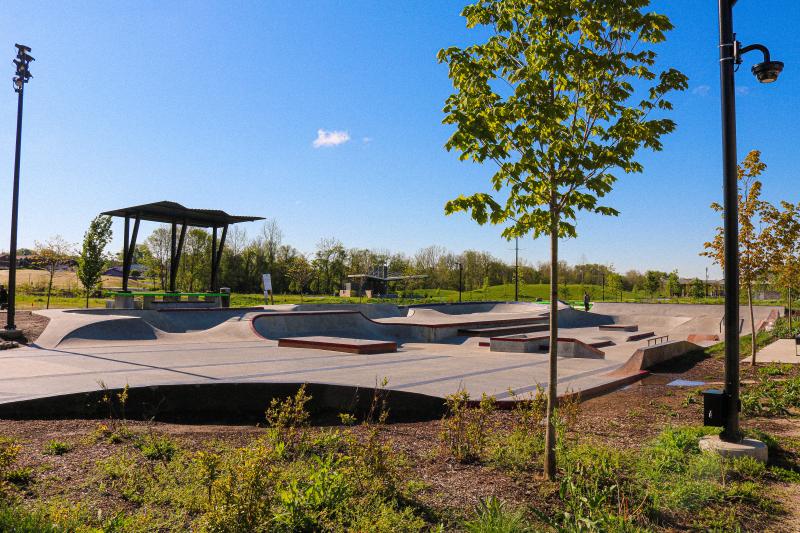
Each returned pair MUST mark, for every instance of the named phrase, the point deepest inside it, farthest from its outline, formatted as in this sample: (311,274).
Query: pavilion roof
(169,212)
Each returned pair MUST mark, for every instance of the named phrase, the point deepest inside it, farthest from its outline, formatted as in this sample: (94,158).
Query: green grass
(573,293)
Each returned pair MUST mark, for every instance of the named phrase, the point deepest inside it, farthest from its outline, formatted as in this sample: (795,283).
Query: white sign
(267,282)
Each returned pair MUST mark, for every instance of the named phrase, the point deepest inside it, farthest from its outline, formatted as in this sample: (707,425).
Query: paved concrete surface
(780,351)
(82,348)
(435,369)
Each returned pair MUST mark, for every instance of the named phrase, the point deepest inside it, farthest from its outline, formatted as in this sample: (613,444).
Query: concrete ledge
(339,344)
(602,344)
(619,327)
(701,337)
(492,331)
(639,336)
(223,403)
(567,347)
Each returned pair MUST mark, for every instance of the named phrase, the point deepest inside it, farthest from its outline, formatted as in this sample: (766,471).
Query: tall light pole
(516,269)
(730,56)
(460,272)
(22,76)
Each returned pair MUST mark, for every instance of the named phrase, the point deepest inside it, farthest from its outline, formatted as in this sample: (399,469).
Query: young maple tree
(782,246)
(93,259)
(51,254)
(753,263)
(561,97)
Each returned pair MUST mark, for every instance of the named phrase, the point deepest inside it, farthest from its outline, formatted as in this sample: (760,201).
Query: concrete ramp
(110,330)
(681,320)
(482,307)
(650,356)
(339,344)
(349,324)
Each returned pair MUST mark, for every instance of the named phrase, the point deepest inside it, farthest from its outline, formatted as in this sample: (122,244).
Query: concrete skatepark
(234,359)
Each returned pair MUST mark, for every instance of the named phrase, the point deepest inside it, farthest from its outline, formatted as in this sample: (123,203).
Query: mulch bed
(627,419)
(30,324)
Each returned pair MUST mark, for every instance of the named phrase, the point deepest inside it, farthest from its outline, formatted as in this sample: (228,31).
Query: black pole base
(12,335)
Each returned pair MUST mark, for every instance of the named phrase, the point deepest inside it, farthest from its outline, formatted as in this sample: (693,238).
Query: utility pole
(23,74)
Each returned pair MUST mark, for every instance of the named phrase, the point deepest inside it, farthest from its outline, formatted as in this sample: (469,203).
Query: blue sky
(218,105)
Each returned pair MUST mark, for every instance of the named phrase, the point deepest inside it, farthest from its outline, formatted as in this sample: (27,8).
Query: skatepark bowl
(226,364)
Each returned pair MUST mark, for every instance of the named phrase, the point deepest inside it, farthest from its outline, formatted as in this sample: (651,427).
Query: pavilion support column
(125,254)
(216,255)
(175,254)
(128,251)
(173,266)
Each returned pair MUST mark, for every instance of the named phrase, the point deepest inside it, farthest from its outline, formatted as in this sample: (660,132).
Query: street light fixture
(23,74)
(730,53)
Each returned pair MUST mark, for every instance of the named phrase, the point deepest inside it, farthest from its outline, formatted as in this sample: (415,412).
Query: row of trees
(325,270)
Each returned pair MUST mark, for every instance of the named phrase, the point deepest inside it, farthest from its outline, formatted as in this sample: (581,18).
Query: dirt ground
(627,418)
(30,324)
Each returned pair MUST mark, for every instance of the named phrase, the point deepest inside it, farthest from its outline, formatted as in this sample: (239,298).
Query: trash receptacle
(225,300)
(715,405)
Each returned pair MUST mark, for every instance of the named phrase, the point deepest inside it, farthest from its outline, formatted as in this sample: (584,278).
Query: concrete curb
(222,403)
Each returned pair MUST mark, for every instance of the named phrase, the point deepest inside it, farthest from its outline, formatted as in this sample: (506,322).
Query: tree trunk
(753,333)
(50,285)
(552,385)
(790,312)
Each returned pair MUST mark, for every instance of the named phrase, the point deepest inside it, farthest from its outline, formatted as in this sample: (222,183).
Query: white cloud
(744,91)
(701,90)
(330,138)
(366,140)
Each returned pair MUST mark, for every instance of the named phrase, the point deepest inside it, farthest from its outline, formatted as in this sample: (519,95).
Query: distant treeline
(245,259)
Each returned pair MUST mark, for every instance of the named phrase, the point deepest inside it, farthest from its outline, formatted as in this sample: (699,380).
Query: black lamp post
(460,272)
(22,76)
(730,56)
(516,269)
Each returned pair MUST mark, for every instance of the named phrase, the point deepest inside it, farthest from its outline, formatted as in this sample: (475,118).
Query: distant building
(715,288)
(116,271)
(375,283)
(23,261)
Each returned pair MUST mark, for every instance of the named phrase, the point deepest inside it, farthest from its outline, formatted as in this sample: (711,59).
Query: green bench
(154,299)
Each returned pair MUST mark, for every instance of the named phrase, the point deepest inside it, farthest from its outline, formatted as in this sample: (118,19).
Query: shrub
(774,369)
(209,464)
(598,492)
(465,429)
(771,398)
(9,450)
(493,516)
(57,447)
(21,476)
(347,419)
(244,492)
(781,328)
(289,417)
(157,447)
(310,502)
(18,520)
